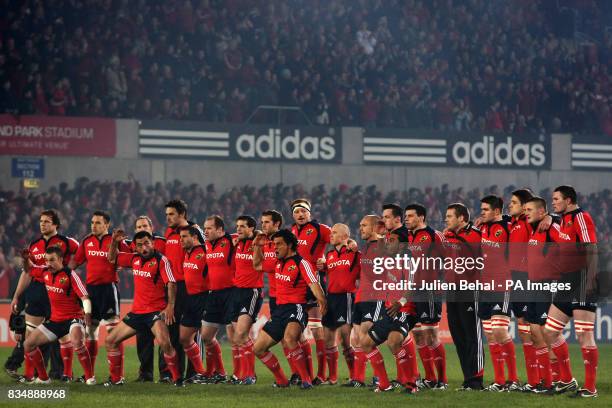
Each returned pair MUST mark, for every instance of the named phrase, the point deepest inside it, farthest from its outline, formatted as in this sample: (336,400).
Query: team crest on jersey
(498,233)
(222,244)
(57,244)
(63,280)
(291,268)
(570,223)
(423,239)
(152,263)
(199,256)
(309,232)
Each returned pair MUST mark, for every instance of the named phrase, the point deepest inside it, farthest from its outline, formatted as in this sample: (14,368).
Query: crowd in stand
(516,66)
(125,201)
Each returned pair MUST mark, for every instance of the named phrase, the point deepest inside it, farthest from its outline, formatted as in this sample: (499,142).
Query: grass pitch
(263,395)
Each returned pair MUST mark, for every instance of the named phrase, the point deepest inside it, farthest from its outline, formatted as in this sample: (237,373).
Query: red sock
(510,359)
(236,361)
(67,351)
(219,368)
(439,355)
(114,358)
(85,360)
(305,346)
(360,365)
(172,364)
(563,360)
(411,355)
(122,351)
(297,355)
(498,363)
(403,366)
(428,363)
(36,358)
(591,358)
(332,362)
(193,353)
(294,369)
(271,362)
(92,347)
(544,365)
(248,367)
(554,369)
(28,367)
(321,360)
(378,365)
(210,361)
(349,357)
(531,365)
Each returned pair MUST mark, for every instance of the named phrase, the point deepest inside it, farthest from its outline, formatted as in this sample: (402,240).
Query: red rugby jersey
(150,278)
(174,251)
(312,240)
(220,262)
(194,267)
(519,236)
(365,292)
(64,288)
(94,251)
(246,276)
(293,276)
(68,245)
(494,239)
(269,264)
(544,252)
(426,242)
(342,267)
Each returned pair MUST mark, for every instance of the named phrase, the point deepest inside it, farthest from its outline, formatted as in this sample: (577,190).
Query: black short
(37,300)
(282,316)
(568,307)
(401,323)
(519,309)
(537,312)
(193,310)
(429,312)
(576,298)
(368,311)
(142,321)
(339,310)
(219,306)
(493,304)
(311,300)
(105,301)
(272,304)
(246,301)
(56,330)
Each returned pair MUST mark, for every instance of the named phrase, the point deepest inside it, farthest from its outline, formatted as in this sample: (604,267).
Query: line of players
(190,283)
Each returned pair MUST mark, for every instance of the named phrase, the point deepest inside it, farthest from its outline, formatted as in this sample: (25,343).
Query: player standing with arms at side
(313,238)
(580,304)
(101,280)
(36,298)
(426,241)
(176,218)
(67,317)
(293,276)
(463,240)
(342,267)
(153,283)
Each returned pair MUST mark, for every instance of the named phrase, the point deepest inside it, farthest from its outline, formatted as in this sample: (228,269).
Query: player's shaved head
(367,227)
(342,229)
(371,219)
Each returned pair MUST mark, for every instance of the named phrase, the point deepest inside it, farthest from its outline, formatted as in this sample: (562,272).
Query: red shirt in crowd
(64,288)
(94,251)
(246,276)
(220,262)
(312,240)
(175,252)
(69,247)
(343,267)
(293,276)
(269,264)
(194,268)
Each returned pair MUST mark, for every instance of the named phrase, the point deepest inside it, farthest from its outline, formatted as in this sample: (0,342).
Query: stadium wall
(351,169)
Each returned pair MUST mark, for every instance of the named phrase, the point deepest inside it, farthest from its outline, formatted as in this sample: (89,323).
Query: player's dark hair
(460,211)
(287,236)
(539,201)
(103,214)
(55,220)
(54,250)
(420,209)
(141,235)
(396,210)
(496,202)
(567,192)
(218,221)
(179,205)
(523,194)
(192,230)
(251,222)
(275,215)
(299,201)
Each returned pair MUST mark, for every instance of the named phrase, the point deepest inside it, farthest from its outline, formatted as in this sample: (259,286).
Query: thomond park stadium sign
(423,148)
(239,142)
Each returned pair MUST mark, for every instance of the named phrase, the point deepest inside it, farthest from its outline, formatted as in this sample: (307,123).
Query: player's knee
(166,346)
(28,345)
